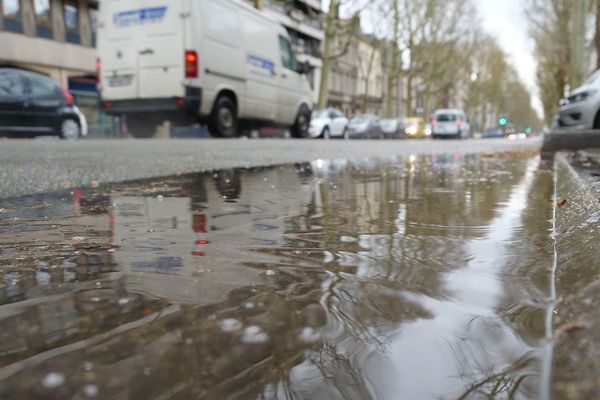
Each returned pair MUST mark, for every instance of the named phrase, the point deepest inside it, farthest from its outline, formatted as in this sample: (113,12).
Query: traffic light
(503,121)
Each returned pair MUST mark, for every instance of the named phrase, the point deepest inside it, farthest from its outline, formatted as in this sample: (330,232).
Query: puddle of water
(417,278)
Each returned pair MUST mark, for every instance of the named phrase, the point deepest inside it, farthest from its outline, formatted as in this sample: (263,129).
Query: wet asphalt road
(38,166)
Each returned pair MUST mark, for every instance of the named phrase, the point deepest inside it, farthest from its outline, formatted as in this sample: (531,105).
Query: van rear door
(141,49)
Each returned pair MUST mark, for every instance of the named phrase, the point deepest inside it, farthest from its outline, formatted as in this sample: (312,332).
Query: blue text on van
(138,17)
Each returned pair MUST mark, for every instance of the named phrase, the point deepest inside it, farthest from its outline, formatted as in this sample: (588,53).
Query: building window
(43,21)
(11,10)
(93,10)
(71,10)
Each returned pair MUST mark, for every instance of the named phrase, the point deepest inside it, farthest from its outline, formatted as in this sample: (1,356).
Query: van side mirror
(305,68)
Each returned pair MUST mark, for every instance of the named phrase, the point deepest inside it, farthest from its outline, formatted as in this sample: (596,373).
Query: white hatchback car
(449,123)
(328,123)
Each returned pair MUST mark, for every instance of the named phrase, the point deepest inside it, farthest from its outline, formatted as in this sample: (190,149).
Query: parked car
(493,133)
(328,123)
(581,109)
(365,126)
(427,130)
(414,127)
(33,104)
(392,127)
(218,61)
(448,123)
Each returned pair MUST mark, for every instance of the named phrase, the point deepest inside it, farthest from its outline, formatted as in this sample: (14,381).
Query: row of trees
(437,45)
(560,30)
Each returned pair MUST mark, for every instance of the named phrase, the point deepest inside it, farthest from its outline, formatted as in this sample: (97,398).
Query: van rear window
(446,117)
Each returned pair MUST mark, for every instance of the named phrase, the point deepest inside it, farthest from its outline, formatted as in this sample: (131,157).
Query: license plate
(120,81)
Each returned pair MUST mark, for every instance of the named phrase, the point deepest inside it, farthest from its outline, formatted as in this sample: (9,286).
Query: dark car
(33,104)
(493,133)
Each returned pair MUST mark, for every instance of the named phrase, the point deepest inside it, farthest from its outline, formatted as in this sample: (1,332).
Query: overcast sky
(504,19)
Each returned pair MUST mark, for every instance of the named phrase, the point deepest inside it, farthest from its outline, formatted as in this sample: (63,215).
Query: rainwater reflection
(414,278)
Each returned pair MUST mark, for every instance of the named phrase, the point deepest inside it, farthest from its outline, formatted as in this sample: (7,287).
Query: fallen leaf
(570,328)
(561,202)
(78,238)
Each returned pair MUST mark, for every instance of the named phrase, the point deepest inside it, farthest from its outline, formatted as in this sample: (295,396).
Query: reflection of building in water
(194,249)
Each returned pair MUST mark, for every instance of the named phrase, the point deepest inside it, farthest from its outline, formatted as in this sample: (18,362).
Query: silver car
(365,126)
(580,110)
(392,127)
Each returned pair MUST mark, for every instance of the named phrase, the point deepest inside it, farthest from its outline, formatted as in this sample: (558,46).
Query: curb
(576,319)
(571,140)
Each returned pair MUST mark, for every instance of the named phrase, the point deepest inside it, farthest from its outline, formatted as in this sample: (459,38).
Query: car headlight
(582,96)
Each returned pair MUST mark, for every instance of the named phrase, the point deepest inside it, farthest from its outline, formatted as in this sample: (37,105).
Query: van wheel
(326,133)
(300,127)
(223,119)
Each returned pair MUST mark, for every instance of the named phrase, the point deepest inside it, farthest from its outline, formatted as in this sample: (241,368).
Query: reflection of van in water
(217,61)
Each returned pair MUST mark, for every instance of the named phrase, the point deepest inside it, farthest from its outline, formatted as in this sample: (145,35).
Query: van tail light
(98,70)
(191,64)
(68,97)
(433,122)
(459,122)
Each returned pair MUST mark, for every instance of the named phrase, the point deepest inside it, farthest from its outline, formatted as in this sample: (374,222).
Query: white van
(218,61)
(450,122)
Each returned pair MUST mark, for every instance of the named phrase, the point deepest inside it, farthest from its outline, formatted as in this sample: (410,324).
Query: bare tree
(338,36)
(550,23)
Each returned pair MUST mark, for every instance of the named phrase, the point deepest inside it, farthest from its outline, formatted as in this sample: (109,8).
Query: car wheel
(70,129)
(223,118)
(326,133)
(597,121)
(302,123)
(346,134)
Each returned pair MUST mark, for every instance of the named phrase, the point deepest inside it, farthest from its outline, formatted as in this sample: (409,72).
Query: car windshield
(320,114)
(446,117)
(361,119)
(593,77)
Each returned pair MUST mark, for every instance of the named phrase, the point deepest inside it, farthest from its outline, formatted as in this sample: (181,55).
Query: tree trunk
(330,20)
(409,100)
(394,54)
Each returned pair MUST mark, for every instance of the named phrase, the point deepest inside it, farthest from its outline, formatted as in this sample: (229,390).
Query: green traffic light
(503,121)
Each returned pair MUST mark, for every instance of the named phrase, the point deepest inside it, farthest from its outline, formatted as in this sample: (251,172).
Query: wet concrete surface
(39,166)
(576,318)
(412,277)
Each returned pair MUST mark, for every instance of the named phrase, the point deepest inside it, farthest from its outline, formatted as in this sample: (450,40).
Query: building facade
(55,37)
(304,23)
(356,81)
